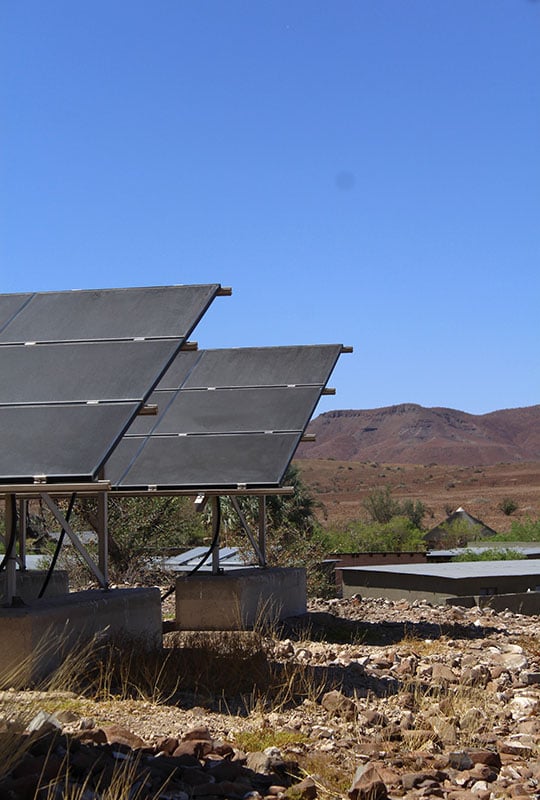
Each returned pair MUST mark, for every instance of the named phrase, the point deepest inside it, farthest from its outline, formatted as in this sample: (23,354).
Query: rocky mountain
(411,434)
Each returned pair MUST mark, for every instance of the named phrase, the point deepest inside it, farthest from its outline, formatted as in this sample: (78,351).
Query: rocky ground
(377,699)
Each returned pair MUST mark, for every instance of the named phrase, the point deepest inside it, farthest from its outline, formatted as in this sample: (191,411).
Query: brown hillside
(411,434)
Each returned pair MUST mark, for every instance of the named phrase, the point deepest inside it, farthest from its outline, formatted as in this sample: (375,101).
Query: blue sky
(359,171)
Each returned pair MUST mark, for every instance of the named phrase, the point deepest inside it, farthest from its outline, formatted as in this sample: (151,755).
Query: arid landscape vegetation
(341,486)
(442,457)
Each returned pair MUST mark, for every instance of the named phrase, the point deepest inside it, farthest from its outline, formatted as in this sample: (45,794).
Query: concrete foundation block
(30,581)
(239,599)
(36,638)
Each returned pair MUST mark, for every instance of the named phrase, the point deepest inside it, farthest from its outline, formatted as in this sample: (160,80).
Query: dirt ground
(340,486)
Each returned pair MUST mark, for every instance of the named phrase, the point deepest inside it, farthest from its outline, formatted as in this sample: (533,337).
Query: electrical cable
(58,547)
(216,521)
(13,533)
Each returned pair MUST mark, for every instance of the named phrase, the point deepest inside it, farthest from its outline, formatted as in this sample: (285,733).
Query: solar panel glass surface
(87,371)
(209,436)
(79,361)
(59,442)
(150,312)
(202,462)
(264,366)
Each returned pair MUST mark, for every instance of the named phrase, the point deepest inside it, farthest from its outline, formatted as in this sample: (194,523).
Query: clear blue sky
(359,171)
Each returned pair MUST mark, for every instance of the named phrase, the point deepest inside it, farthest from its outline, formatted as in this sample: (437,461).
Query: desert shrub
(520,531)
(382,507)
(415,511)
(289,547)
(139,528)
(508,505)
(397,535)
(490,554)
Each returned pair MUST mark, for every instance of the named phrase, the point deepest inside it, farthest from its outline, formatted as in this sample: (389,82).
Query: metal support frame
(99,489)
(215,522)
(57,514)
(262,529)
(260,552)
(23,529)
(11,558)
(103,533)
(103,536)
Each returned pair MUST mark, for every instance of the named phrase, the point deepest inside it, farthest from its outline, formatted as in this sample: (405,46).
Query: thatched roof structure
(463,525)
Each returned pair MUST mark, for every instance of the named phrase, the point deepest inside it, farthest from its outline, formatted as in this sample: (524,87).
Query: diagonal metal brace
(57,514)
(249,534)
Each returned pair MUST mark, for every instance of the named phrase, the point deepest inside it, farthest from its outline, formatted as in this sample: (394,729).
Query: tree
(397,535)
(382,507)
(142,527)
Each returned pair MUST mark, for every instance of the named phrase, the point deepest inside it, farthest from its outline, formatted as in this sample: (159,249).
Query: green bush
(520,531)
(490,554)
(397,535)
(382,507)
(508,505)
(139,528)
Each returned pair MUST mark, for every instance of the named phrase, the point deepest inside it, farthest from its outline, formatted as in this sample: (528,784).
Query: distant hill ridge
(411,434)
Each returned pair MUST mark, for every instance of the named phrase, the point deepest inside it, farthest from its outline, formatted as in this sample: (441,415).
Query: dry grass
(258,740)
(331,779)
(128,779)
(466,709)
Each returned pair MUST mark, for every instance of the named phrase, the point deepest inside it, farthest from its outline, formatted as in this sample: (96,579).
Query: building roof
(460,515)
(457,570)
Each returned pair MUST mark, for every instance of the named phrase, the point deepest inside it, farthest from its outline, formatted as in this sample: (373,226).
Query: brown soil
(340,486)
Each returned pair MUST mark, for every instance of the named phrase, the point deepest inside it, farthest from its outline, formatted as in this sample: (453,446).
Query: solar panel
(94,315)
(255,366)
(76,367)
(209,436)
(202,462)
(231,410)
(10,304)
(83,372)
(59,442)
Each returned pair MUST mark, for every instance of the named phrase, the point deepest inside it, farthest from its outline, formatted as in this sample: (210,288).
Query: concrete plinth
(30,581)
(37,638)
(239,599)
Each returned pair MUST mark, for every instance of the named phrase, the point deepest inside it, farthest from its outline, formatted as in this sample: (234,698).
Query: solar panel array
(76,367)
(226,419)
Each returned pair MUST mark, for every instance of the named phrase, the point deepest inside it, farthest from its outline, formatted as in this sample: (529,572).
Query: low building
(337,561)
(438,582)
